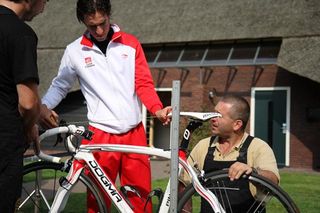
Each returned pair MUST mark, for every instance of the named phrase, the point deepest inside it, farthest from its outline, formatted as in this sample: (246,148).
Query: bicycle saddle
(202,116)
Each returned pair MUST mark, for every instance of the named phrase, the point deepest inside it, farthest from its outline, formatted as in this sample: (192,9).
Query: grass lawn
(304,189)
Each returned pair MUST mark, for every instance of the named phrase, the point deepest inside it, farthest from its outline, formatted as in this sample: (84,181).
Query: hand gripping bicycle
(82,162)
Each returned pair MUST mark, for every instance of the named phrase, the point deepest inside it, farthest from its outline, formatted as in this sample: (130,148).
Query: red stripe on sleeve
(144,83)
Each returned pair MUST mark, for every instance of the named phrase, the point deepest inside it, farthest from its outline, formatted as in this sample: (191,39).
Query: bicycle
(81,160)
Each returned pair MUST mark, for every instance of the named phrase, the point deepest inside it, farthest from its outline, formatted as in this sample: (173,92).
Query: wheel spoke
(40,187)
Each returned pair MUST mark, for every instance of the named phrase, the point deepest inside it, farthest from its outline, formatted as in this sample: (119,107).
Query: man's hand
(48,118)
(162,115)
(237,169)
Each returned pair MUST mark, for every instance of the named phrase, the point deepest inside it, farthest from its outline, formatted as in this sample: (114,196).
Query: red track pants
(133,169)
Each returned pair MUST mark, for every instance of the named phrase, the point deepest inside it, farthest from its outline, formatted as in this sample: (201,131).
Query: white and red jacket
(112,84)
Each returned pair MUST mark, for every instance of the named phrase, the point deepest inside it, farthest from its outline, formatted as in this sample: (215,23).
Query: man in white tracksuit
(114,78)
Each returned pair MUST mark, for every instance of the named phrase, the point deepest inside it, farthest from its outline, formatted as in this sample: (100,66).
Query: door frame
(288,102)
(144,109)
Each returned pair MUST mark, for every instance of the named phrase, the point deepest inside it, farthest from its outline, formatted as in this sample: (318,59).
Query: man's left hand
(237,169)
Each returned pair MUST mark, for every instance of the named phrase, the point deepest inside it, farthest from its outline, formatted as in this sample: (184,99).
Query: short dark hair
(240,109)
(86,7)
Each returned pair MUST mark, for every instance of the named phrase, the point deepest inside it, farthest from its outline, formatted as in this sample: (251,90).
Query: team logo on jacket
(123,55)
(88,62)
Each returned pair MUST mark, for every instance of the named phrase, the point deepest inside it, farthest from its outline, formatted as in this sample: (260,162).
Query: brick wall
(197,82)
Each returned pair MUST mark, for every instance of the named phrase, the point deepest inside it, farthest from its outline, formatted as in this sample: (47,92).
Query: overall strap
(212,139)
(244,150)
(210,150)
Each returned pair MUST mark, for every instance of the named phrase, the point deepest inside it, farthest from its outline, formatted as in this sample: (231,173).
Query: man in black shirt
(19,101)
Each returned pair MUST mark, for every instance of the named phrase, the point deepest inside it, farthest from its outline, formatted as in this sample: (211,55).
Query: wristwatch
(254,170)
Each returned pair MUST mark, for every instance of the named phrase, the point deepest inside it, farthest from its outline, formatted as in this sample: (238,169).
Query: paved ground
(160,169)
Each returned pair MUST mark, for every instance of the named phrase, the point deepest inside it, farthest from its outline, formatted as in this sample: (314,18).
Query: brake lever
(59,136)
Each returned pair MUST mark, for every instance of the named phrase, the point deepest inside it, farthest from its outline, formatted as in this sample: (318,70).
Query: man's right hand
(48,118)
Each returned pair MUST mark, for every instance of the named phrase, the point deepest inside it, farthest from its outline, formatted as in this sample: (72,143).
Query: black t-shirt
(18,64)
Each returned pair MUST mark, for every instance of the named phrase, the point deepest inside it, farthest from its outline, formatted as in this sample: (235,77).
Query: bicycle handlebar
(74,130)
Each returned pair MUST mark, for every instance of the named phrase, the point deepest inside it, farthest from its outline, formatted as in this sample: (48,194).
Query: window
(152,52)
(170,53)
(193,52)
(268,50)
(241,52)
(244,51)
(218,52)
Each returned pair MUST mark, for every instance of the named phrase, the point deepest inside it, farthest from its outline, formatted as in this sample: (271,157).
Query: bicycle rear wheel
(270,195)
(41,182)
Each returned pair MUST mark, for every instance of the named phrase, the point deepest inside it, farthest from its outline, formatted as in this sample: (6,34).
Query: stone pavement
(159,168)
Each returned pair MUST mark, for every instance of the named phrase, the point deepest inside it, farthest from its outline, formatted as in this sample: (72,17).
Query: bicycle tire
(277,198)
(36,202)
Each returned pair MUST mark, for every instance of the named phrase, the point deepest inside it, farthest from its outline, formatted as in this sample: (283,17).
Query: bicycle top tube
(126,149)
(202,116)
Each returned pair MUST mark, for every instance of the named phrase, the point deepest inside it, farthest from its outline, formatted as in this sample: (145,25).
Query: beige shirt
(259,155)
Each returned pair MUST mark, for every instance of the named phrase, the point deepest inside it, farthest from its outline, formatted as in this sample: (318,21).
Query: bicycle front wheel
(268,197)
(41,182)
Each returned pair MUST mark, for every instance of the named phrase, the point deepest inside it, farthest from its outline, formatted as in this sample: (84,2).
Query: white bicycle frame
(84,157)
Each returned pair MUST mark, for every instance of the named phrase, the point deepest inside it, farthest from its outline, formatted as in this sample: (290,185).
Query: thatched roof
(159,21)
(155,21)
(301,56)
